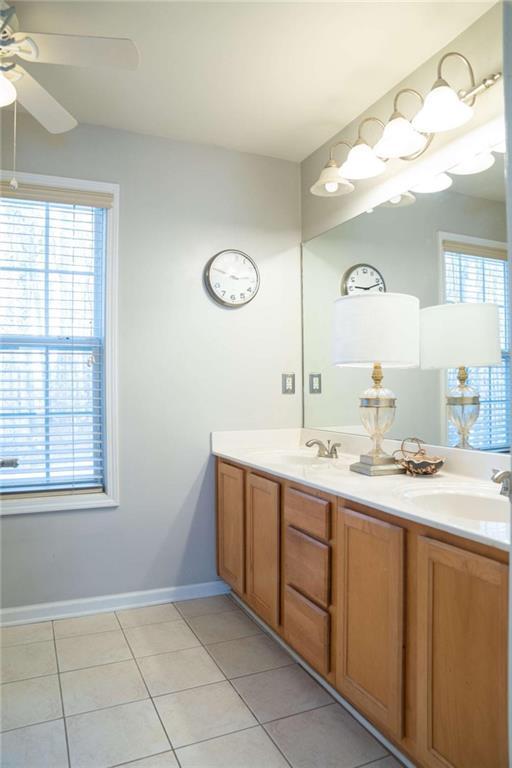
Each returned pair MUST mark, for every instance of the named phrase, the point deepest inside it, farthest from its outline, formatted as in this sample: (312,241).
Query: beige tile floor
(193,684)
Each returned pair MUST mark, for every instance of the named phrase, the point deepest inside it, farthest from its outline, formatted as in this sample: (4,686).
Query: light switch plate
(288,383)
(315,383)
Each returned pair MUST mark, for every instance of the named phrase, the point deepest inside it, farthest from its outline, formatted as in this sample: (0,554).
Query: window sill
(66,503)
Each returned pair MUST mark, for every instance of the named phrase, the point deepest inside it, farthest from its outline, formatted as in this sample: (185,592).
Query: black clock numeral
(232,297)
(217,285)
(223,293)
(249,290)
(242,295)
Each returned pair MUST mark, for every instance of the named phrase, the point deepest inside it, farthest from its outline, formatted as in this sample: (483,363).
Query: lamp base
(376,467)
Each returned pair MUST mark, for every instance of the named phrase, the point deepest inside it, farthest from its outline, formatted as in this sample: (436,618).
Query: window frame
(443,378)
(69,500)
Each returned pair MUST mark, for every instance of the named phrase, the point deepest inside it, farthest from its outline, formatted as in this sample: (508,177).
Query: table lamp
(376,330)
(458,336)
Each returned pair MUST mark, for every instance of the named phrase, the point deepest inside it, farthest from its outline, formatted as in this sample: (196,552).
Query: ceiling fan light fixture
(476,164)
(331,183)
(7,91)
(362,163)
(443,110)
(399,139)
(437,183)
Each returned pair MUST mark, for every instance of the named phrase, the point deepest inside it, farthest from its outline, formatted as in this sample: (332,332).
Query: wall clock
(232,278)
(362,278)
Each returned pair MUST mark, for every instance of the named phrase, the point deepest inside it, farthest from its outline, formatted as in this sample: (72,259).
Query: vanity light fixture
(372,330)
(441,110)
(444,108)
(331,183)
(457,336)
(437,183)
(399,138)
(476,164)
(362,162)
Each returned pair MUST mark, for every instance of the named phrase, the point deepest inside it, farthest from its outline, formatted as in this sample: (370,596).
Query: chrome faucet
(502,477)
(325,451)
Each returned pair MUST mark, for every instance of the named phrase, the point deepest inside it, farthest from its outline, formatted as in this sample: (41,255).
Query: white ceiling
(276,79)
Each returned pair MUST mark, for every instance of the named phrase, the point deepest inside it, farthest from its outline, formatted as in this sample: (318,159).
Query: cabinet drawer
(309,513)
(307,629)
(307,565)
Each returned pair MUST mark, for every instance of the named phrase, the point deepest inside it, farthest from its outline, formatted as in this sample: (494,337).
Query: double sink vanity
(393,589)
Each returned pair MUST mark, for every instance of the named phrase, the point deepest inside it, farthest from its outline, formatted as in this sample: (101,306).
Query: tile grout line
(186,619)
(242,700)
(138,759)
(61,696)
(147,689)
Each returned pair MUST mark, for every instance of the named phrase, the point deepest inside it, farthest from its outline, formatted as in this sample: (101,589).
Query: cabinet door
(230,525)
(262,547)
(370,599)
(462,658)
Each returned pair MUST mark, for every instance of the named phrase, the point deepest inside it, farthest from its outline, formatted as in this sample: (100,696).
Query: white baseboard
(344,703)
(25,614)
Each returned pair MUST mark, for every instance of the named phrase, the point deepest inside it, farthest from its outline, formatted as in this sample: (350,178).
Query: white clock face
(362,278)
(232,278)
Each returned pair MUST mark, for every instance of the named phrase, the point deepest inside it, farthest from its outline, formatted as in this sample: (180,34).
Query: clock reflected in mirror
(362,278)
(232,278)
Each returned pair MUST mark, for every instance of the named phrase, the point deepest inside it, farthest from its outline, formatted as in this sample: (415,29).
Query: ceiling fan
(75,50)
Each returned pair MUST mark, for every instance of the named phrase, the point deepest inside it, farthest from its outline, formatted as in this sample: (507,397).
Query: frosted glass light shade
(399,139)
(374,328)
(476,164)
(362,163)
(442,110)
(437,183)
(330,183)
(7,91)
(454,335)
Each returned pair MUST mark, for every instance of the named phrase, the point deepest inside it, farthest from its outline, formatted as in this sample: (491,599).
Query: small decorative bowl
(417,462)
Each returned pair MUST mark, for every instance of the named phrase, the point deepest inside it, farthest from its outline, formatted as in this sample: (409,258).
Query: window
(53,351)
(475,273)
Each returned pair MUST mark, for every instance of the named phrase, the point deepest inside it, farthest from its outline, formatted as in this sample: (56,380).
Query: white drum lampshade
(460,336)
(370,331)
(377,328)
(455,335)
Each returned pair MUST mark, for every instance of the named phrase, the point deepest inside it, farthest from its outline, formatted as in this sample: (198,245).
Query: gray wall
(186,366)
(402,244)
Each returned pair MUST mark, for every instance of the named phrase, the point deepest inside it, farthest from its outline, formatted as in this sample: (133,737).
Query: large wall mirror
(443,247)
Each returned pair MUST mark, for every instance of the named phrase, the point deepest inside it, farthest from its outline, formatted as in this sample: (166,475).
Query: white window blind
(52,267)
(479,274)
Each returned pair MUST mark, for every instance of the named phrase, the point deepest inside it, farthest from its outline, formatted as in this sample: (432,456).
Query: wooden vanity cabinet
(462,658)
(307,567)
(231,526)
(263,519)
(407,622)
(370,638)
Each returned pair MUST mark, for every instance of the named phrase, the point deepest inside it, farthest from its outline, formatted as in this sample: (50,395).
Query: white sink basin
(469,504)
(296,458)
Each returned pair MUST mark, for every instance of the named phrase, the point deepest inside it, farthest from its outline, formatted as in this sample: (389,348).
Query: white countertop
(282,453)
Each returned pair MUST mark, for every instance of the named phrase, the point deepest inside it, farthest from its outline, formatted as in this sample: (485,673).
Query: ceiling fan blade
(41,104)
(81,51)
